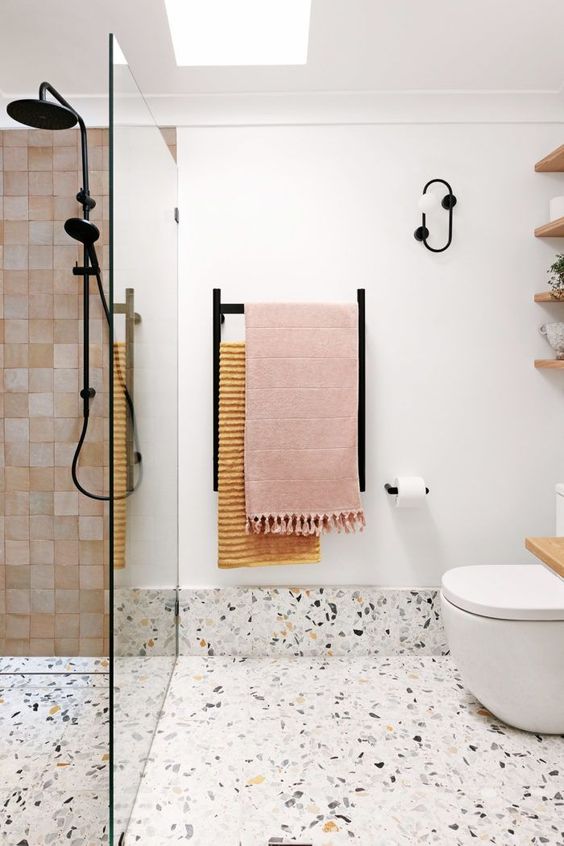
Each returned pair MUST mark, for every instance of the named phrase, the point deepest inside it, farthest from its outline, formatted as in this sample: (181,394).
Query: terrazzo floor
(53,751)
(367,751)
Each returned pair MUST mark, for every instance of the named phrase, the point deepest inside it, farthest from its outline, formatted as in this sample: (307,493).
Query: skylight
(239,32)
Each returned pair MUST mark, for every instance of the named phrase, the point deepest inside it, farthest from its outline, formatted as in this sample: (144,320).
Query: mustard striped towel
(120,455)
(236,548)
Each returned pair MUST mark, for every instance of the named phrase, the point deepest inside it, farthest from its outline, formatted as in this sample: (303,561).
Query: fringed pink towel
(301,462)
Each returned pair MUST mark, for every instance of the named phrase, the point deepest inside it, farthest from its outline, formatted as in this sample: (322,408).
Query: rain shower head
(82,230)
(45,114)
(41,114)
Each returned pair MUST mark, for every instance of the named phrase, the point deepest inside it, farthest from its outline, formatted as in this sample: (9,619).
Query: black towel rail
(220,309)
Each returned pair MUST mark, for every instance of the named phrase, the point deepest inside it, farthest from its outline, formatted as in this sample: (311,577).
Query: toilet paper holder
(393,491)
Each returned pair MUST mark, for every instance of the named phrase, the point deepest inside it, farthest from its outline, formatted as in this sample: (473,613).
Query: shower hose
(130,408)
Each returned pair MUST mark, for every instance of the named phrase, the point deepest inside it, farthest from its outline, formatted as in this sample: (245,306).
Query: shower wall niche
(54,574)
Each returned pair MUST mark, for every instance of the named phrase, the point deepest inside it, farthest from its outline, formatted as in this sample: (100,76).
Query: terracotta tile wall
(53,540)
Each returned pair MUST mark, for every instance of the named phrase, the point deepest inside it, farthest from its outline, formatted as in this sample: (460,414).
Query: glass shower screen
(144,455)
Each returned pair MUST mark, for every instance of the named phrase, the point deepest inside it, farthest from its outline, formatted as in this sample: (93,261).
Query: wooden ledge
(550,551)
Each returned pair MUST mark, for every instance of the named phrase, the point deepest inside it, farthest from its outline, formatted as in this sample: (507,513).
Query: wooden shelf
(553,163)
(554,229)
(550,551)
(546,297)
(549,364)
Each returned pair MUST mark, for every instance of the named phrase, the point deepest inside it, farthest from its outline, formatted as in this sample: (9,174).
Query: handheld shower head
(82,230)
(41,114)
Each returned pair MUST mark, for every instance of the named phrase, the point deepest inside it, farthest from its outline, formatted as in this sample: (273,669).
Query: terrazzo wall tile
(215,621)
(313,621)
(144,622)
(417,622)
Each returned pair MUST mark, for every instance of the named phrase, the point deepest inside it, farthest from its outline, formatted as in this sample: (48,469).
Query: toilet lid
(506,591)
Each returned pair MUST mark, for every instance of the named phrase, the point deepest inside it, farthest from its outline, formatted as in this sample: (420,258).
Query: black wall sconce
(427,203)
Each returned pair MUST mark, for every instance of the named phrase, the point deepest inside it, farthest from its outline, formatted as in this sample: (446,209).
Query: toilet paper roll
(411,491)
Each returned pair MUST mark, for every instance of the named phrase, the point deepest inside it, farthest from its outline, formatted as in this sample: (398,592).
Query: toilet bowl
(505,628)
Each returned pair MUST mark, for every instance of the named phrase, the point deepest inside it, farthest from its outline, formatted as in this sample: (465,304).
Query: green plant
(556,280)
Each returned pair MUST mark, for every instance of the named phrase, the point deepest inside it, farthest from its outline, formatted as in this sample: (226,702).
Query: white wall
(145,259)
(312,213)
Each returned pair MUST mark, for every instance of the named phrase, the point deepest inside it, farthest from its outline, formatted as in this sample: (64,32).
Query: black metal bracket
(448,202)
(221,309)
(85,271)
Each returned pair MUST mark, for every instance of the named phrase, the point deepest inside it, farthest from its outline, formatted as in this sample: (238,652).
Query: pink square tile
(67,625)
(16,528)
(91,578)
(42,552)
(66,307)
(42,601)
(15,183)
(90,528)
(41,281)
(41,331)
(66,528)
(41,232)
(15,306)
(41,503)
(66,331)
(41,455)
(66,380)
(65,183)
(41,380)
(41,430)
(17,627)
(66,355)
(15,330)
(43,576)
(15,158)
(15,232)
(41,158)
(41,405)
(66,503)
(66,601)
(17,552)
(41,527)
(16,208)
(66,553)
(41,257)
(16,380)
(41,184)
(17,602)
(65,158)
(16,430)
(40,208)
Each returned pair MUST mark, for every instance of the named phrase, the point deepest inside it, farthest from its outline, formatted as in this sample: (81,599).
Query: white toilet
(505,629)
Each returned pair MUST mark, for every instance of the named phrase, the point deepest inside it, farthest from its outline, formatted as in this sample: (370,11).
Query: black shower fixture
(427,203)
(87,233)
(44,114)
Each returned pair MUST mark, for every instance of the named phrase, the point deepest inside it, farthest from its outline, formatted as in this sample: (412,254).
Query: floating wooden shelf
(550,551)
(547,297)
(553,163)
(554,229)
(549,364)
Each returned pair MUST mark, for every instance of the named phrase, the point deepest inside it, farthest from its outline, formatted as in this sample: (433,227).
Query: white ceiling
(355,45)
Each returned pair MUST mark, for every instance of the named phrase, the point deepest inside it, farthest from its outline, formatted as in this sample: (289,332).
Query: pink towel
(301,462)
